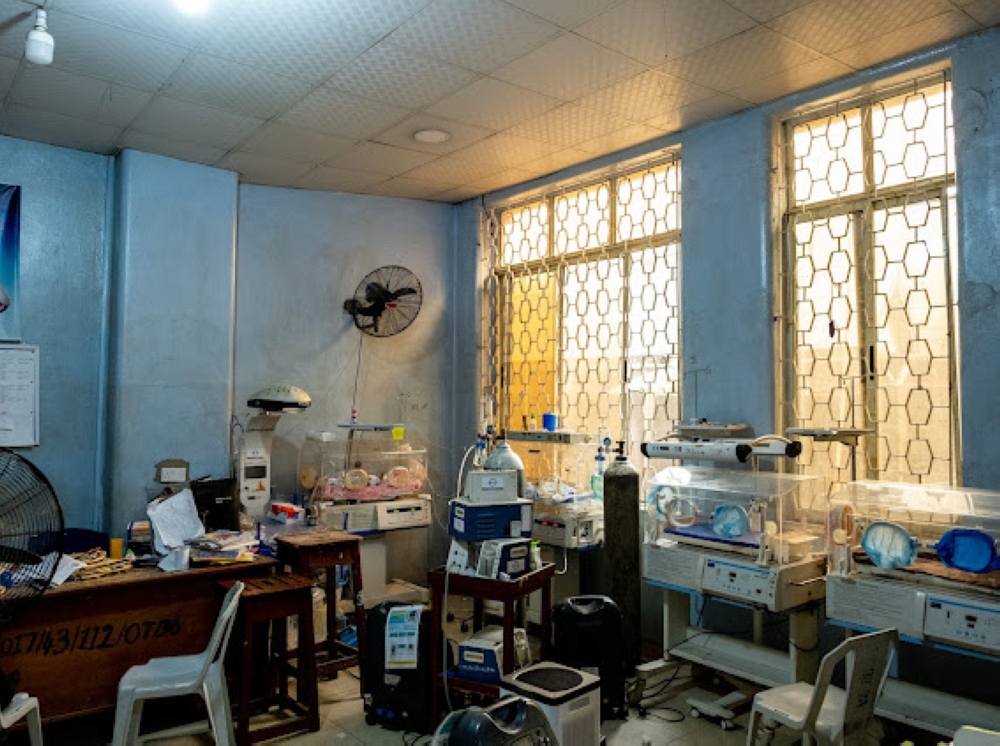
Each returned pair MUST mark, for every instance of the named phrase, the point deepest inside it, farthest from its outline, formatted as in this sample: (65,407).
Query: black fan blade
(14,556)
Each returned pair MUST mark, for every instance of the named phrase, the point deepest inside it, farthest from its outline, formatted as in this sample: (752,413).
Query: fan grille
(31,523)
(386,301)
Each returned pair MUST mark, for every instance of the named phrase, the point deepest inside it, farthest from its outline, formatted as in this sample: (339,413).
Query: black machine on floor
(587,634)
(515,721)
(395,698)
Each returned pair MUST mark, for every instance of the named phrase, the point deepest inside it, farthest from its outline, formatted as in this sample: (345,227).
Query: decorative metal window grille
(582,306)
(866,277)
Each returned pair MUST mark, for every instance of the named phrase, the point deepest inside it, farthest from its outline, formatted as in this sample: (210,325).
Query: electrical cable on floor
(565,561)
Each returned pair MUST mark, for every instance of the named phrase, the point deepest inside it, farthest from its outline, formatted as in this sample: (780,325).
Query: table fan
(31,539)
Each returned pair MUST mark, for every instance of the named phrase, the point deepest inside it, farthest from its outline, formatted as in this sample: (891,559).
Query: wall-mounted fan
(31,540)
(386,302)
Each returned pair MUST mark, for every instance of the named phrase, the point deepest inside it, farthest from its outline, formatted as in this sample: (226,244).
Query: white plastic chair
(23,706)
(826,712)
(969,736)
(178,676)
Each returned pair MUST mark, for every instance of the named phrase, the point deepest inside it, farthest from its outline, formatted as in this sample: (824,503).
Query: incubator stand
(752,539)
(922,559)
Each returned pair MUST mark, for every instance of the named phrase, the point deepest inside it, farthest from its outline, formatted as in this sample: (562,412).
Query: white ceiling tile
(740,59)
(263,169)
(379,159)
(503,179)
(456,195)
(620,139)
(656,31)
(307,39)
(717,107)
(181,120)
(295,144)
(505,151)
(556,161)
(909,39)
(182,151)
(450,170)
(987,12)
(791,80)
(476,34)
(569,125)
(407,188)
(644,96)
(494,104)
(831,25)
(102,51)
(462,135)
(394,75)
(565,13)
(327,179)
(568,67)
(57,129)
(329,110)
(765,10)
(230,85)
(18,19)
(159,18)
(52,89)
(8,69)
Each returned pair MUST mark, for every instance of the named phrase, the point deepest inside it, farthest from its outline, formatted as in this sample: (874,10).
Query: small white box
(570,699)
(492,486)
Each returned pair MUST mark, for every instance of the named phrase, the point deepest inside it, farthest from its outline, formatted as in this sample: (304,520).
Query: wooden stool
(272,600)
(309,551)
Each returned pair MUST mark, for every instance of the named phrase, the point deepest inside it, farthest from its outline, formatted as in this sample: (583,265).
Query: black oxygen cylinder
(622,570)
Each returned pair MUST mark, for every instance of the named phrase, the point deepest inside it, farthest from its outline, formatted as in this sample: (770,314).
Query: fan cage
(31,521)
(400,311)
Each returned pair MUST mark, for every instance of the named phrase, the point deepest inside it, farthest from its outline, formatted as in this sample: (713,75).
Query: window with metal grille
(582,312)
(866,279)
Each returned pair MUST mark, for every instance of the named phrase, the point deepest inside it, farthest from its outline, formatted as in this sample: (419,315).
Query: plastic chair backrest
(219,640)
(969,736)
(868,658)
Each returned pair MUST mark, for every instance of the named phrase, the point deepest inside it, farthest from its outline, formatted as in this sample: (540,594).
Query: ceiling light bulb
(432,136)
(193,7)
(39,46)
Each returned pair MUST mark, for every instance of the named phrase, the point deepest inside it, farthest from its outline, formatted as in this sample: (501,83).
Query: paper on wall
(174,520)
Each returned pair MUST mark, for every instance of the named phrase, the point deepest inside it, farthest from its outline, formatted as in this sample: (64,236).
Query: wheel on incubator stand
(727,724)
(695,712)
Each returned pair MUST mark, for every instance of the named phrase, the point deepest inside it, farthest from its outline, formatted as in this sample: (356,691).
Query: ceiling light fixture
(432,136)
(193,7)
(39,46)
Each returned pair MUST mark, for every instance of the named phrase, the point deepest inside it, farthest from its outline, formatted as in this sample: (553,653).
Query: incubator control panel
(753,584)
(965,622)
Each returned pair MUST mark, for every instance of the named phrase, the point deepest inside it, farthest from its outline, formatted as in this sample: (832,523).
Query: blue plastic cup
(550,421)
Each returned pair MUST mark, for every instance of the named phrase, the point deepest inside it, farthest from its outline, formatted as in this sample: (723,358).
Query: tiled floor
(343,724)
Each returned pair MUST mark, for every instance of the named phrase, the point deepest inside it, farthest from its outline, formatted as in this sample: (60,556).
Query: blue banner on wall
(10,251)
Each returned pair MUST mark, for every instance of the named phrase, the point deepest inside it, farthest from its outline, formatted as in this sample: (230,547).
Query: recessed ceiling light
(432,136)
(193,7)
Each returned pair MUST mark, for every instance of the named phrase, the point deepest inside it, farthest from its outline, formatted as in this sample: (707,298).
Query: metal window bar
(582,318)
(866,251)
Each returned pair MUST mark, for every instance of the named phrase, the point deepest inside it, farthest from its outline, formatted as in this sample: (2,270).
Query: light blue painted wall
(172,326)
(63,253)
(301,255)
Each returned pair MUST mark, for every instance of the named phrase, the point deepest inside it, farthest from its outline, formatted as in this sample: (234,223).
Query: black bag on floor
(587,634)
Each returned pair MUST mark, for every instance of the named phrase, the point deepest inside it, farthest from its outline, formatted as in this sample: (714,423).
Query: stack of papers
(221,547)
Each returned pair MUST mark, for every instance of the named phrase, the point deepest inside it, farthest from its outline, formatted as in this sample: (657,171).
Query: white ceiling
(326,94)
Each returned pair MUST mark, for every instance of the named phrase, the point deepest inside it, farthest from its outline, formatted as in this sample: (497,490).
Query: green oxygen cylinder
(622,571)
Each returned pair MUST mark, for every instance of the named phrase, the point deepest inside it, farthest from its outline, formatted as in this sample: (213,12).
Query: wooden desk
(508,592)
(309,551)
(73,646)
